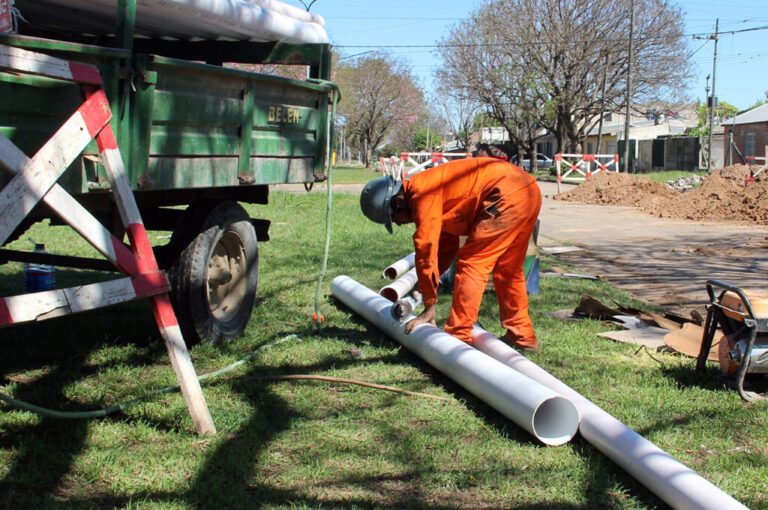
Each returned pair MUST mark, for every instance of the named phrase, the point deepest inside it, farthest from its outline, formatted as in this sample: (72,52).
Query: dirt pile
(723,196)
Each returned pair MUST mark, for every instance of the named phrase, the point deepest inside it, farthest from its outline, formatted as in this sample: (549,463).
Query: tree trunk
(366,154)
(531,148)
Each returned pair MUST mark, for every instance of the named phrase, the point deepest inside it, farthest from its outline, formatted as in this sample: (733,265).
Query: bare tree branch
(541,63)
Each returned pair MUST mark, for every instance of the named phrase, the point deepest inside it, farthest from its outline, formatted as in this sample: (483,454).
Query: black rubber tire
(217,242)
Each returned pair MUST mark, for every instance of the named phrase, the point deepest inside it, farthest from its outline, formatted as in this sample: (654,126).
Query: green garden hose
(79,415)
(318,318)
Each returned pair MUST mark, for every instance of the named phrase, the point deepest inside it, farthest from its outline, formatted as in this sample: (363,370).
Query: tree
(476,68)
(287,71)
(379,96)
(722,111)
(459,110)
(759,102)
(543,62)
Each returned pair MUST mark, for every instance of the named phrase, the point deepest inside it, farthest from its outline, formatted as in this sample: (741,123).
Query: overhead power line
(506,44)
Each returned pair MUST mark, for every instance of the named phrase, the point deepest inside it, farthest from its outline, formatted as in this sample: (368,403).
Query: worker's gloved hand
(427,316)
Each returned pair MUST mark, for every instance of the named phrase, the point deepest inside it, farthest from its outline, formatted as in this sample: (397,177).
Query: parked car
(542,161)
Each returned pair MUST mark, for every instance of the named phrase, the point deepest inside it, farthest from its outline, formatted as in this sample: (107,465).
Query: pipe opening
(556,421)
(389,293)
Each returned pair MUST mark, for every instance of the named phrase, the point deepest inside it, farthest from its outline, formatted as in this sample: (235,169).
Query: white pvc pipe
(667,477)
(290,11)
(205,19)
(405,306)
(400,287)
(552,419)
(399,267)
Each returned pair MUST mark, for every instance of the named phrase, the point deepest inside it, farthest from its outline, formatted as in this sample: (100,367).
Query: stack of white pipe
(668,478)
(400,287)
(400,266)
(552,419)
(254,20)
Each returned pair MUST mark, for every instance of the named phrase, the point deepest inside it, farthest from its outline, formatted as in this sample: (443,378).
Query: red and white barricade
(6,16)
(414,162)
(605,163)
(35,180)
(580,167)
(754,161)
(391,166)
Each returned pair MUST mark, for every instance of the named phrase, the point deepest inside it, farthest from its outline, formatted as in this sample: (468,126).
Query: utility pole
(602,108)
(712,98)
(706,95)
(629,85)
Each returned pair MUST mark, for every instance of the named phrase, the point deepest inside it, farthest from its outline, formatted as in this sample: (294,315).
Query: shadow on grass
(56,353)
(45,449)
(232,475)
(712,379)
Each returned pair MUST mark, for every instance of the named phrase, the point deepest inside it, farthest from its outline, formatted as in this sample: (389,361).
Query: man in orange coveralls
(492,202)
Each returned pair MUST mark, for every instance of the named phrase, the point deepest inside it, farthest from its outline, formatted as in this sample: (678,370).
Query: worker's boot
(521,344)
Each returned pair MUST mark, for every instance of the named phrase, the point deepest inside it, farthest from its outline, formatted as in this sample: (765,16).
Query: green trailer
(198,135)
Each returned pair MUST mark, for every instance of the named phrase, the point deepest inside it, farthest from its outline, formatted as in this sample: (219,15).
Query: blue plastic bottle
(39,277)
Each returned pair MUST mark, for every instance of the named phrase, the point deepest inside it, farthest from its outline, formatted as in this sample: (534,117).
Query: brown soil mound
(723,196)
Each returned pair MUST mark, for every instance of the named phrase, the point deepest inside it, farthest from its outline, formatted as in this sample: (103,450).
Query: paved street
(660,260)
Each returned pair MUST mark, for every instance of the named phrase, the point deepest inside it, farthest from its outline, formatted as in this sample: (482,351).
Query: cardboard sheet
(651,337)
(688,341)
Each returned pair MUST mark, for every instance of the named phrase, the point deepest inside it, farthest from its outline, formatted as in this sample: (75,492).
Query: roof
(673,125)
(758,114)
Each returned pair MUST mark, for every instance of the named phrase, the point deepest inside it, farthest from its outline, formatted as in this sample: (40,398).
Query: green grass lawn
(354,174)
(312,444)
(669,175)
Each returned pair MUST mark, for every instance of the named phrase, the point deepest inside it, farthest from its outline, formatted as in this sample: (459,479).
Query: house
(489,135)
(546,144)
(750,134)
(641,127)
(645,130)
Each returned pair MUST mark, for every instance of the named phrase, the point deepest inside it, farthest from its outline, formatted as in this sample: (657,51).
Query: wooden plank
(39,64)
(34,180)
(121,187)
(161,305)
(73,213)
(37,176)
(182,365)
(55,260)
(55,303)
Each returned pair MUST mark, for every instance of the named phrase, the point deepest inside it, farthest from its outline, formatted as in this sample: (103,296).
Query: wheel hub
(227,276)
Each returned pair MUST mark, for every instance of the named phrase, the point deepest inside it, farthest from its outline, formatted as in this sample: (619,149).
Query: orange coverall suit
(495,204)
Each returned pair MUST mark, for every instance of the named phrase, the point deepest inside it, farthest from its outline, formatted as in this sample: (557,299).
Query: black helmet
(376,200)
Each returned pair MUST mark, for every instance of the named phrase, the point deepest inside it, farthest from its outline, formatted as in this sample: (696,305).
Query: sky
(741,76)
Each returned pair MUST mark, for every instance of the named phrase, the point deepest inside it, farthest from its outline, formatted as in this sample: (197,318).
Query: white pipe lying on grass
(399,267)
(669,479)
(552,419)
(400,287)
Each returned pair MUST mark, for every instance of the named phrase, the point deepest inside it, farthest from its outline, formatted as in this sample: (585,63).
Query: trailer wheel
(215,276)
